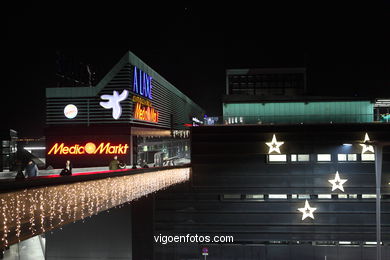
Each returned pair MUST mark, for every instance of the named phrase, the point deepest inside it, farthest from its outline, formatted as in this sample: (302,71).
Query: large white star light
(307,211)
(337,183)
(366,147)
(274,145)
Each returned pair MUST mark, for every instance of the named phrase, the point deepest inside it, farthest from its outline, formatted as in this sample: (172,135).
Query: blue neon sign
(142,84)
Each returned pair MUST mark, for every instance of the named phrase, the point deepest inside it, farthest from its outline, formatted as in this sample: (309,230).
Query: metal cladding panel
(232,160)
(173,107)
(89,109)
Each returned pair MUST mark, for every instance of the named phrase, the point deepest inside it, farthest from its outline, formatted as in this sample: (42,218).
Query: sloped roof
(129,57)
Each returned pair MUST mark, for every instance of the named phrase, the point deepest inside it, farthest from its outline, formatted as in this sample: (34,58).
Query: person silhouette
(67,170)
(31,169)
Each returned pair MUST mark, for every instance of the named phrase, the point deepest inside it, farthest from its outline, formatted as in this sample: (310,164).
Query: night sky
(345,48)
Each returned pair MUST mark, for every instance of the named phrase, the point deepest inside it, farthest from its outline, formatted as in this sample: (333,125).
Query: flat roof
(255,71)
(269,99)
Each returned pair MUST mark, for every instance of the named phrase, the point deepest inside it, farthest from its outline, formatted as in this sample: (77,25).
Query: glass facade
(267,84)
(8,150)
(163,151)
(298,112)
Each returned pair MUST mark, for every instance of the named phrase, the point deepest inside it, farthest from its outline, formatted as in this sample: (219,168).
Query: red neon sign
(145,113)
(89,148)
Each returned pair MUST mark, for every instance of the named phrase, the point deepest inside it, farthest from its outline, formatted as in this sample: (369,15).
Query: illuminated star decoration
(307,211)
(337,183)
(274,145)
(367,148)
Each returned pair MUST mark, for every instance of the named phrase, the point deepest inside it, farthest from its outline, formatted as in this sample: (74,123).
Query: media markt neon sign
(88,148)
(144,111)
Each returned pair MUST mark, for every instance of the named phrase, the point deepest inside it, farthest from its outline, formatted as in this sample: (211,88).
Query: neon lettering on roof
(145,113)
(88,148)
(142,84)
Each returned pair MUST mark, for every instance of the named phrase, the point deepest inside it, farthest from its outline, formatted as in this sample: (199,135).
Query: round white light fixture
(70,111)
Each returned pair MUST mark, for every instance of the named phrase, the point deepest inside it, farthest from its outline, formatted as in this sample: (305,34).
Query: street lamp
(378,148)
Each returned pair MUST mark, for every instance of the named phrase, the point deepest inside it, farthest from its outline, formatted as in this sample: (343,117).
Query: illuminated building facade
(298,191)
(262,96)
(132,113)
(288,176)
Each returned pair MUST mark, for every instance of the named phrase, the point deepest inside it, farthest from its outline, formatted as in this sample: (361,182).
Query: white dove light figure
(113,102)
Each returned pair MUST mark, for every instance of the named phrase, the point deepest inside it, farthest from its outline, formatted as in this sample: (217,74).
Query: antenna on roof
(89,75)
(72,73)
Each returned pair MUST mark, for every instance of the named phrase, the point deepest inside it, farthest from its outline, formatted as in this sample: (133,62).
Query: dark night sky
(344,47)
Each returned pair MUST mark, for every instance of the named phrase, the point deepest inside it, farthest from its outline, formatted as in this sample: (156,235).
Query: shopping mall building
(133,113)
(287,175)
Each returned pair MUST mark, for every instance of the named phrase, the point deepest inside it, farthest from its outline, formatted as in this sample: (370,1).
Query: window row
(341,157)
(261,197)
(285,77)
(322,243)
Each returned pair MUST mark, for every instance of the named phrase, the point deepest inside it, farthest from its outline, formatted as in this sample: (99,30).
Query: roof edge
(128,57)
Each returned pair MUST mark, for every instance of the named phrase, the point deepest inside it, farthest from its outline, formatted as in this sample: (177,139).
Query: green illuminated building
(258,96)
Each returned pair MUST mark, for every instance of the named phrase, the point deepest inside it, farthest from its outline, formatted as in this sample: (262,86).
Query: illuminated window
(303,196)
(294,196)
(277,196)
(368,196)
(344,242)
(254,196)
(300,157)
(368,157)
(324,157)
(277,158)
(343,196)
(303,157)
(231,196)
(370,243)
(352,196)
(342,157)
(324,196)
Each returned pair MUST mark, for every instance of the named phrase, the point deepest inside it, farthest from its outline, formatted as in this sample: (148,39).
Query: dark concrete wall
(107,235)
(142,226)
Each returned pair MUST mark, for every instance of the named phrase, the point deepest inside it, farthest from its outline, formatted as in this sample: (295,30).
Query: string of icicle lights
(34,211)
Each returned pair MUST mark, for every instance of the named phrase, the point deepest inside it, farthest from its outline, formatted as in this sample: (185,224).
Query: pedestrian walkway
(12,174)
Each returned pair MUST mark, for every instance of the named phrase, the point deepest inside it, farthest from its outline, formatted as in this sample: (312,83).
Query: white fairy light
(38,210)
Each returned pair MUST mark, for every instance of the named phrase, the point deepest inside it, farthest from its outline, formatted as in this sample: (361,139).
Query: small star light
(307,211)
(365,147)
(274,145)
(337,183)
